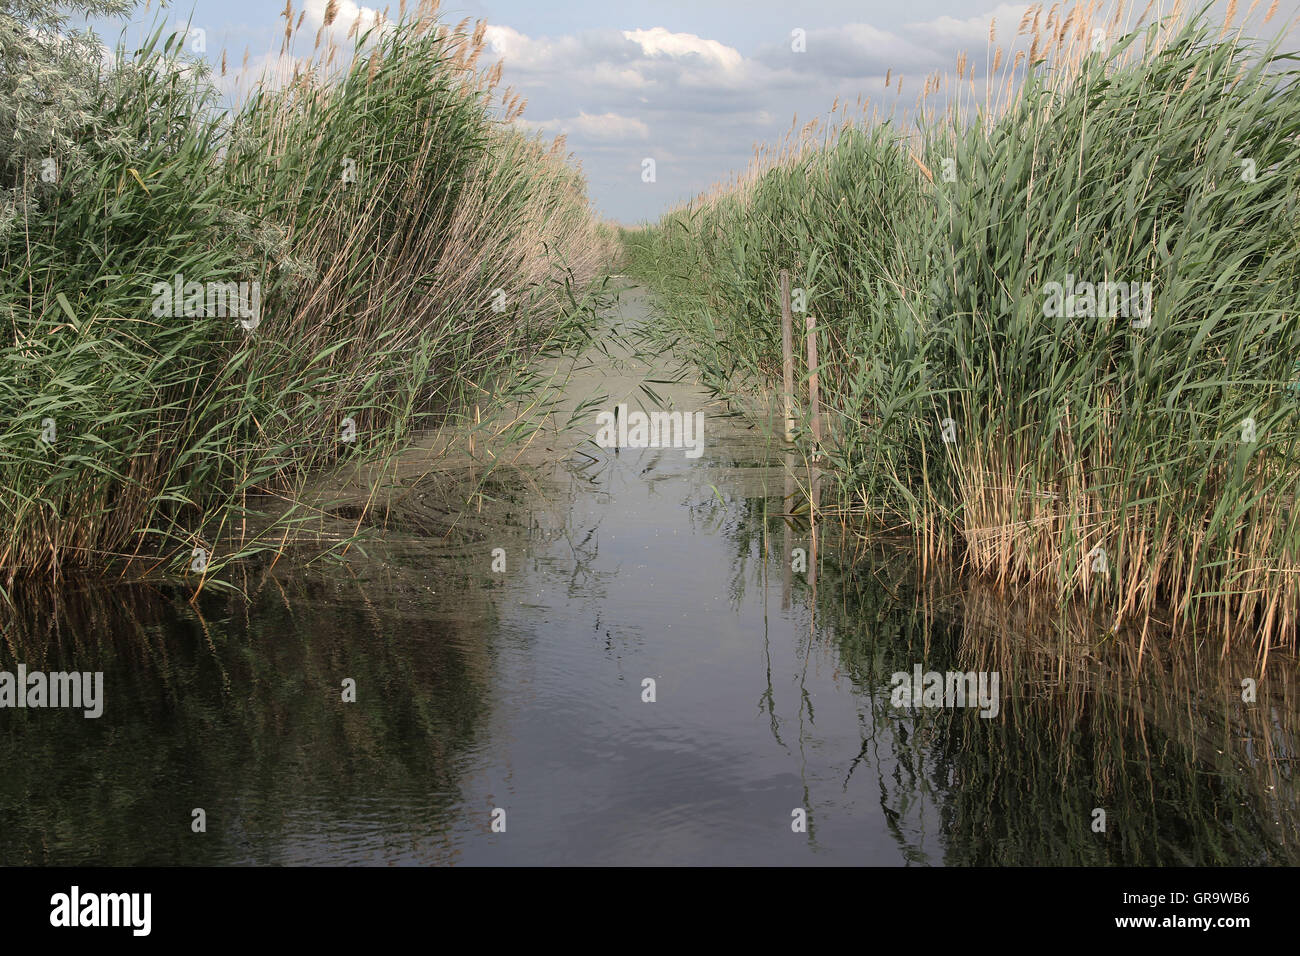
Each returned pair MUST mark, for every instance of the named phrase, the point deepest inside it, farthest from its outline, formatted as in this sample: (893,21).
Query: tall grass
(410,245)
(1096,455)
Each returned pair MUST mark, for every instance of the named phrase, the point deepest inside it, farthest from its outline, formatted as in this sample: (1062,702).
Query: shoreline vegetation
(357,252)
(1056,321)
(986,389)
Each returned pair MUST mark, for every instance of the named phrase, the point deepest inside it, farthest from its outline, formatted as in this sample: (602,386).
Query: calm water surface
(523,691)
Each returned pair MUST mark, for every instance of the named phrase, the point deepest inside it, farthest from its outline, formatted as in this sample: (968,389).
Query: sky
(691,84)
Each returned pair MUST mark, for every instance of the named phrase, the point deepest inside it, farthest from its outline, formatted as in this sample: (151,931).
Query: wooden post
(787,353)
(814,406)
(815,410)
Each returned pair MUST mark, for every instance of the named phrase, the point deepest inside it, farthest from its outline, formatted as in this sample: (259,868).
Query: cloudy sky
(692,84)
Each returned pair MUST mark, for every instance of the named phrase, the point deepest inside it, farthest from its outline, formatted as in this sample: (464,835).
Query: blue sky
(693,84)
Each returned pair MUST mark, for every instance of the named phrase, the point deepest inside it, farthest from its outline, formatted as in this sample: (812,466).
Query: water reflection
(238,710)
(523,690)
(1186,772)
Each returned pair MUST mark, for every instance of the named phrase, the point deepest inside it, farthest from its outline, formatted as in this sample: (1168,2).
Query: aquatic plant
(980,392)
(405,246)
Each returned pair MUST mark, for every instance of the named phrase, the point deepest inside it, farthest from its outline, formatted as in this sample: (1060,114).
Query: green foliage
(376,296)
(1072,432)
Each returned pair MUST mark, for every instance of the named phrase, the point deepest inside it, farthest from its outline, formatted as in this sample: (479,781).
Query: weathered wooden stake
(814,406)
(787,353)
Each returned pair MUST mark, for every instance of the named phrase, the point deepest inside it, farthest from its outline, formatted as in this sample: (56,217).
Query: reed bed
(1144,462)
(411,249)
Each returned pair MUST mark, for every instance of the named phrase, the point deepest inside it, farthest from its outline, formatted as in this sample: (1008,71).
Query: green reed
(411,248)
(1142,461)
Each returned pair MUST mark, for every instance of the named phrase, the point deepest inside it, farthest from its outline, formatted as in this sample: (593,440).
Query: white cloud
(659,42)
(605,127)
(972,33)
(274,70)
(851,50)
(346,16)
(626,60)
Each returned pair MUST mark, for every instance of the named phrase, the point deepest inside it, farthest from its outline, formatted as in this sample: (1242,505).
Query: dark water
(523,691)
